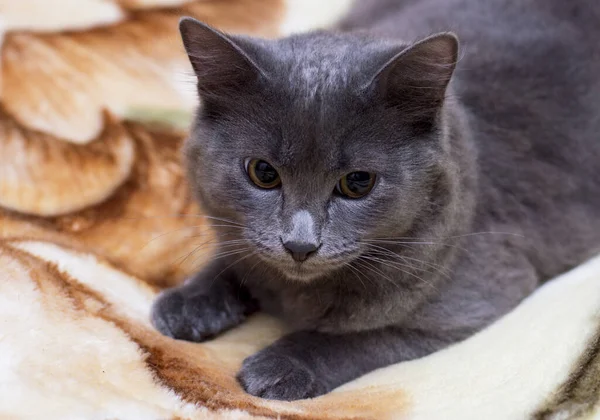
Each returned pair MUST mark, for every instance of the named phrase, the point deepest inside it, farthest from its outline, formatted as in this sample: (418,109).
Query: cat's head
(319,144)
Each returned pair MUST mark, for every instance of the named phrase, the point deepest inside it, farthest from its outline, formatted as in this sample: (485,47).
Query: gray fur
(485,188)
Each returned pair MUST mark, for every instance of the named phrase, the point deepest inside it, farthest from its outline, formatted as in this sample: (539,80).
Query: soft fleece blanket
(95,219)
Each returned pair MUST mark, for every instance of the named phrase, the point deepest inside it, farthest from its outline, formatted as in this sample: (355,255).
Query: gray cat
(388,198)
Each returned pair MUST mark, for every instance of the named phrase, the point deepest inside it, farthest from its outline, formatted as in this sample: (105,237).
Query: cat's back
(529,75)
(538,59)
(538,48)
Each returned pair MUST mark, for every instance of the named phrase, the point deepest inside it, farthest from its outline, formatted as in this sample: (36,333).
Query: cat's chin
(304,276)
(303,272)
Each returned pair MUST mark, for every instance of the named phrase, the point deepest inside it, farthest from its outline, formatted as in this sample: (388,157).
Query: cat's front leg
(308,364)
(206,305)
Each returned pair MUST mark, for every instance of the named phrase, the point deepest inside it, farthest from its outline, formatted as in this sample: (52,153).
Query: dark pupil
(265,172)
(358,182)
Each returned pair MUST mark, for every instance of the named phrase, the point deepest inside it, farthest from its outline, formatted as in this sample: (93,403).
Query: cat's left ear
(222,64)
(416,79)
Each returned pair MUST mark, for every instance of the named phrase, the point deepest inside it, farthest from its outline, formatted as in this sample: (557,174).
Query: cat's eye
(262,173)
(356,184)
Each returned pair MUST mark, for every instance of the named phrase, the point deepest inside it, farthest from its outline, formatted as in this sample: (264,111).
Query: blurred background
(95,100)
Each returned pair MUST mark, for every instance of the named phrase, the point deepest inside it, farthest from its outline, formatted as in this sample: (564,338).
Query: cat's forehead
(316,63)
(311,107)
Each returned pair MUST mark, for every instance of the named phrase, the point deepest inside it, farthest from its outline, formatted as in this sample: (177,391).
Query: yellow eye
(356,184)
(262,174)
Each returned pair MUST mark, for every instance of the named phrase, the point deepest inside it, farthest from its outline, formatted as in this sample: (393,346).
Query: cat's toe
(165,314)
(194,317)
(279,377)
(171,316)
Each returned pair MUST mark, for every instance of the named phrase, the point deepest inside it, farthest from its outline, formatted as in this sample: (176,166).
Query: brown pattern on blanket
(197,374)
(580,394)
(147,226)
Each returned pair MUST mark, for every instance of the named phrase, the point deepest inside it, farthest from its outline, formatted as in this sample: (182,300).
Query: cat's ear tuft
(416,79)
(223,68)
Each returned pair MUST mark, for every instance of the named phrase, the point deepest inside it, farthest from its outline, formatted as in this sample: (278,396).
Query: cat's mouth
(311,269)
(298,271)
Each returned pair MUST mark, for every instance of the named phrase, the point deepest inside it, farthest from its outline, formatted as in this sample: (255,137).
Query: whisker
(193,236)
(392,242)
(487,233)
(248,272)
(216,235)
(164,234)
(227,226)
(225,254)
(370,267)
(455,236)
(355,271)
(196,216)
(231,265)
(387,263)
(189,254)
(431,241)
(228,252)
(229,242)
(222,219)
(439,268)
(385,258)
(196,249)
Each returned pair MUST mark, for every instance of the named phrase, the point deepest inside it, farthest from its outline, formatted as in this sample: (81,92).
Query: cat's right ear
(415,80)
(222,67)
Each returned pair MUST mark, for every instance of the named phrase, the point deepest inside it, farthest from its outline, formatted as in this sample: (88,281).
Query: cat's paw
(194,318)
(279,377)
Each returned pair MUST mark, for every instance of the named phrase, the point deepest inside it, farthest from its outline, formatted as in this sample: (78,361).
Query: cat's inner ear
(415,80)
(223,68)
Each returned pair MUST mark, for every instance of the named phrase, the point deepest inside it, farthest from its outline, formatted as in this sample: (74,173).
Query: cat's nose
(300,251)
